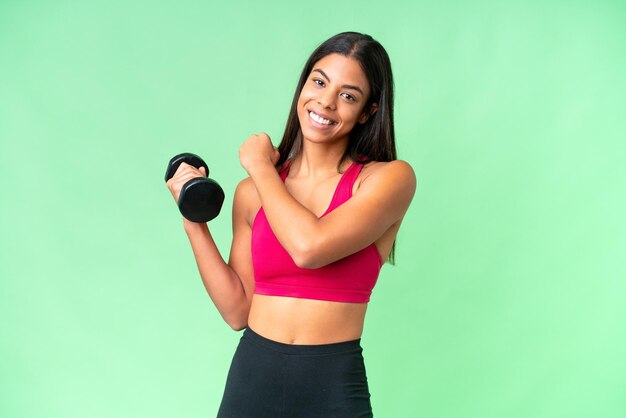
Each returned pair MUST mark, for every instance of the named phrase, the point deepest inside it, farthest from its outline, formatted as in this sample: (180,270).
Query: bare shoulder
(246,201)
(246,187)
(396,174)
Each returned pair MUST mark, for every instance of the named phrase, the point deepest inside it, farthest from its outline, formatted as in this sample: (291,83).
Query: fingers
(185,169)
(275,156)
(263,136)
(183,174)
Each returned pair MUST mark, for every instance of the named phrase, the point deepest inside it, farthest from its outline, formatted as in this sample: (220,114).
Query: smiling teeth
(317,118)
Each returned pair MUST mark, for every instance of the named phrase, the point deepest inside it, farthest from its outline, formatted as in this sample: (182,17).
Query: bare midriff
(306,321)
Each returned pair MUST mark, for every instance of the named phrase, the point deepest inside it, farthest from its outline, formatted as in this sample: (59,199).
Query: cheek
(351,117)
(357,114)
(303,100)
(305,95)
(300,106)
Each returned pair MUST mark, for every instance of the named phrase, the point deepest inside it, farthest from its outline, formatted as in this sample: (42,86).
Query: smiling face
(332,99)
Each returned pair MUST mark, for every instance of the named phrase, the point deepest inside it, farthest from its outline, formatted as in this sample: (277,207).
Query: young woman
(312,225)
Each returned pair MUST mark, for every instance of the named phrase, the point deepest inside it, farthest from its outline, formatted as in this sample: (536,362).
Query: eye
(315,80)
(349,97)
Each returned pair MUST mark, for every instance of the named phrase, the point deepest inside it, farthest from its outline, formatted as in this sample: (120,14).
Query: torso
(307,321)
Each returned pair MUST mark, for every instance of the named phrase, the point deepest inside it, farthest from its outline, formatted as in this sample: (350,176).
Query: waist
(302,349)
(305,321)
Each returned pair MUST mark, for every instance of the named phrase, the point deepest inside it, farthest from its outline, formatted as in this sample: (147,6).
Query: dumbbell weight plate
(200,199)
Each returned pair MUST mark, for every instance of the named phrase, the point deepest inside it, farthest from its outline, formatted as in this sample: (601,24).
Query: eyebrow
(345,86)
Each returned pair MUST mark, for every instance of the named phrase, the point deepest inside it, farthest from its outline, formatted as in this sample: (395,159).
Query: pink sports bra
(350,279)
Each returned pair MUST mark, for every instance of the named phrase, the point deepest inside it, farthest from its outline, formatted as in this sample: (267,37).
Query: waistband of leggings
(302,349)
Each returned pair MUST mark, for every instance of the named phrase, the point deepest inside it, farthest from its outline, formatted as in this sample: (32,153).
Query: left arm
(382,200)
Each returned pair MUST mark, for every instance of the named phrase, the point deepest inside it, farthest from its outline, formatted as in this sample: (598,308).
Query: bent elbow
(237,320)
(305,263)
(306,258)
(238,326)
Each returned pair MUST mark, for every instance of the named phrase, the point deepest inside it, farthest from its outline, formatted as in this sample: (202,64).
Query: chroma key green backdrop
(509,294)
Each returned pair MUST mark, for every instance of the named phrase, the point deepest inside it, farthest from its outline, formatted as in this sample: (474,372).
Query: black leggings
(269,379)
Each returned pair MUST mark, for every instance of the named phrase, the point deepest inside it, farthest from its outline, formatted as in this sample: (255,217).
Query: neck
(319,160)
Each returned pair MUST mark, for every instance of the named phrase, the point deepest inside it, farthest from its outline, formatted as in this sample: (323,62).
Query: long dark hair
(375,139)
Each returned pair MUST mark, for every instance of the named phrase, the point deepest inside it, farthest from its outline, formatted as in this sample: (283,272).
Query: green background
(508,298)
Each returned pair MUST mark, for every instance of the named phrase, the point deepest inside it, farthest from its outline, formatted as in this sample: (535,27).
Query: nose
(326,99)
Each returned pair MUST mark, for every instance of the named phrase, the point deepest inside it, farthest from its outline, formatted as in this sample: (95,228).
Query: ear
(366,115)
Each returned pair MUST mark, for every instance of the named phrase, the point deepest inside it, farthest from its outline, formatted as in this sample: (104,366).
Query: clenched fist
(257,149)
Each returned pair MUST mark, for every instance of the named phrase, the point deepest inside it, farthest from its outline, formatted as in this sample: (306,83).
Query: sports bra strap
(351,174)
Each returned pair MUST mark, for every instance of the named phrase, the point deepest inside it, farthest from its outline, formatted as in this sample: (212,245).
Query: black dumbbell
(201,198)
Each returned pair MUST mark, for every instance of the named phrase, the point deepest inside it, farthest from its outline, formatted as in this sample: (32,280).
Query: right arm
(229,285)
